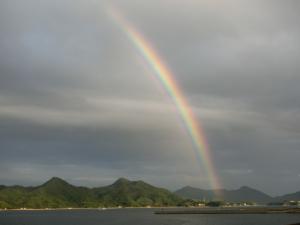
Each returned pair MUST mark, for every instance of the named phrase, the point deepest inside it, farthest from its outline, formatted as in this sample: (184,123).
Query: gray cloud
(78,101)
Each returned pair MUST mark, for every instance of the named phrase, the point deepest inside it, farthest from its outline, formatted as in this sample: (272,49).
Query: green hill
(135,193)
(57,193)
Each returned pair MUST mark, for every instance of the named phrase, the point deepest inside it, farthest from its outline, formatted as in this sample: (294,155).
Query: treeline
(57,193)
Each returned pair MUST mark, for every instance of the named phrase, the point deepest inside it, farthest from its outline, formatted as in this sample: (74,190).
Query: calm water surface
(137,217)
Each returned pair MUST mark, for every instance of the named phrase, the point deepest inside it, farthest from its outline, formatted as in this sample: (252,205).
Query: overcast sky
(79,102)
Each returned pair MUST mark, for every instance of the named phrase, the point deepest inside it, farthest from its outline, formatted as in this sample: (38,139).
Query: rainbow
(168,81)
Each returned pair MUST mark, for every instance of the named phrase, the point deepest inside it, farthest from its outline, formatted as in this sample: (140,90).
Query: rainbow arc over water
(163,73)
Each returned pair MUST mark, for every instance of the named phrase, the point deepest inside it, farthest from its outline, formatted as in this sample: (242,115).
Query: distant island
(57,193)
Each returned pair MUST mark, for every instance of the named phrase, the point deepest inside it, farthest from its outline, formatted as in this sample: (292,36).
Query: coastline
(233,210)
(100,209)
(185,210)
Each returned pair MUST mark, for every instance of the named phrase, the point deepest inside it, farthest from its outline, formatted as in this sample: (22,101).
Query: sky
(78,101)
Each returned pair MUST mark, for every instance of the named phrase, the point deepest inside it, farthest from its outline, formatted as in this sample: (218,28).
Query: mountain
(136,193)
(289,197)
(195,193)
(247,194)
(52,194)
(240,195)
(2,187)
(57,193)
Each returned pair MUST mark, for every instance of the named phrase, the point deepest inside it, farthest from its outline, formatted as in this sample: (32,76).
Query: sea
(138,217)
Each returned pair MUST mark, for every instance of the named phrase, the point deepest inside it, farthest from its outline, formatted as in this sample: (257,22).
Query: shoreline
(184,210)
(241,210)
(99,208)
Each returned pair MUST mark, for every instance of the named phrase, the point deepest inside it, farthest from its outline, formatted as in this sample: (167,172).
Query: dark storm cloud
(77,101)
